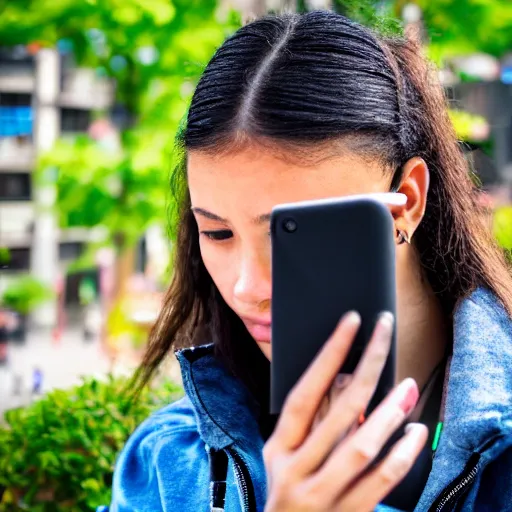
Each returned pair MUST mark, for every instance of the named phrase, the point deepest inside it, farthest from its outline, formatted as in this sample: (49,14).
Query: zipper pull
(218,477)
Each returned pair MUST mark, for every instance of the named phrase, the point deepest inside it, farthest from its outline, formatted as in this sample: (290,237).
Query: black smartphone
(329,257)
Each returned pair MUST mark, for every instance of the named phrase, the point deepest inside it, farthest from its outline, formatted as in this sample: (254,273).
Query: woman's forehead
(259,175)
(269,163)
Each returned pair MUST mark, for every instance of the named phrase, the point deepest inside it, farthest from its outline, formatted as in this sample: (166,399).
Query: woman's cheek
(221,267)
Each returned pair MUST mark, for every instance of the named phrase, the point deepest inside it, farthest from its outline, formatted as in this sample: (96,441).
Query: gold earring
(402,237)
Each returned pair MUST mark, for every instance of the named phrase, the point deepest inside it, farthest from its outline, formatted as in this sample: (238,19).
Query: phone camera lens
(289,225)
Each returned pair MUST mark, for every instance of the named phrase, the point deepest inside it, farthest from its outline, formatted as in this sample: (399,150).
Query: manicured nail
(413,441)
(410,427)
(386,318)
(352,317)
(407,395)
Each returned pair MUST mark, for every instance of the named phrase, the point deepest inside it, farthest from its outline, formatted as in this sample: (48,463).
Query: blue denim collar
(478,417)
(479,392)
(226,412)
(478,398)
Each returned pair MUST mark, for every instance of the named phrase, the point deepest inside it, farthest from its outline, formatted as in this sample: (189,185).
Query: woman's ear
(414,184)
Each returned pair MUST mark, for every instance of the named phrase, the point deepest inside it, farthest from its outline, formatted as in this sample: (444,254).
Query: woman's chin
(265,347)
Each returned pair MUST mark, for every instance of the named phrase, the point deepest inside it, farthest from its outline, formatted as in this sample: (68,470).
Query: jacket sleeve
(162,468)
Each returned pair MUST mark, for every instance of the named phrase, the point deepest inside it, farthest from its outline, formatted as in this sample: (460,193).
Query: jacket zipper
(244,480)
(449,495)
(458,487)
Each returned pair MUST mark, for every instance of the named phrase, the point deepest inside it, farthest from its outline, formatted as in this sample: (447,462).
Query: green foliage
(154,51)
(121,325)
(133,41)
(375,14)
(462,27)
(454,27)
(96,187)
(5,255)
(466,124)
(58,454)
(503,227)
(24,294)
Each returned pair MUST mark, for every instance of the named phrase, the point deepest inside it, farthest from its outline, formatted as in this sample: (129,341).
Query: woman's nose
(254,282)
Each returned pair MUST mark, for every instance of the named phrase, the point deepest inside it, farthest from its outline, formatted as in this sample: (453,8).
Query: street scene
(40,365)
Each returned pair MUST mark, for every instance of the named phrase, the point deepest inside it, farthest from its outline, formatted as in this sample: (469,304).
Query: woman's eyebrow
(260,219)
(207,214)
(263,219)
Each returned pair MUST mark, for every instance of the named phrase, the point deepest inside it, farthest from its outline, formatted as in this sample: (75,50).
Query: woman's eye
(221,234)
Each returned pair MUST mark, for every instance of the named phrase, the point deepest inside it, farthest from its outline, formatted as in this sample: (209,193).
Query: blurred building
(492,100)
(479,84)
(42,96)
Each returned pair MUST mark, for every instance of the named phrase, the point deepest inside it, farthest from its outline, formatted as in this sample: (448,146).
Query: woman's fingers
(379,482)
(351,402)
(304,400)
(359,450)
(318,469)
(341,381)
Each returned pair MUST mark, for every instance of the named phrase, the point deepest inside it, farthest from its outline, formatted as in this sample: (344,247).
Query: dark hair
(308,81)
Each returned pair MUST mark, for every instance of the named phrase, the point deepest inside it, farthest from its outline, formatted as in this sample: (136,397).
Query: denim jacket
(165,466)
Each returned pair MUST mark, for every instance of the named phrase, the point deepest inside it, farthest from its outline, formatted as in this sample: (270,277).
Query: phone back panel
(341,257)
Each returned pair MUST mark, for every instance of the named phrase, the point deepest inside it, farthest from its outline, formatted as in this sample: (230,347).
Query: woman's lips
(261,331)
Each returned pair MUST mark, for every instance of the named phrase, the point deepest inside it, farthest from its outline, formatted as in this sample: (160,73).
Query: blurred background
(91,95)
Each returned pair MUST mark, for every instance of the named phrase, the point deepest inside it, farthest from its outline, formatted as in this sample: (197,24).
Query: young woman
(298,107)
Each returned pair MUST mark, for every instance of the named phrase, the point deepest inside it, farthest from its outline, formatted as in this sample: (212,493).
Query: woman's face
(232,197)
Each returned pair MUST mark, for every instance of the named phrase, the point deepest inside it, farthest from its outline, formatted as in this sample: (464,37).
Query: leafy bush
(24,294)
(58,454)
(469,127)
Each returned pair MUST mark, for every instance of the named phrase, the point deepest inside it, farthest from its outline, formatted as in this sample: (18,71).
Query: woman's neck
(422,330)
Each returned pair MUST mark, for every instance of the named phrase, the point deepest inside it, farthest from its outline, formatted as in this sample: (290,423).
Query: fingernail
(352,317)
(407,395)
(387,319)
(413,426)
(415,438)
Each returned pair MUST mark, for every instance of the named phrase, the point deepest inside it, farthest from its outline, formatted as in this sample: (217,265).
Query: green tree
(462,27)
(454,27)
(154,51)
(503,228)
(371,13)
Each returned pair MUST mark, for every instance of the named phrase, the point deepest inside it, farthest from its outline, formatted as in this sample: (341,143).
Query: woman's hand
(318,460)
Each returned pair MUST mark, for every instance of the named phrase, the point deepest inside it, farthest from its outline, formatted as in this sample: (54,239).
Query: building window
(74,120)
(15,186)
(15,99)
(16,57)
(16,121)
(16,114)
(70,250)
(72,295)
(19,259)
